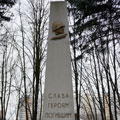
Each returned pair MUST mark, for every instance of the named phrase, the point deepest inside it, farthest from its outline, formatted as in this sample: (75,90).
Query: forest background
(95,57)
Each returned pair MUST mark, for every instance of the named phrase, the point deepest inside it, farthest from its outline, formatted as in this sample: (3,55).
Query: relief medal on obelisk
(58,94)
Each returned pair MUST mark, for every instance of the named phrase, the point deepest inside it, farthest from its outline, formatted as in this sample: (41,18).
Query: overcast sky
(11,110)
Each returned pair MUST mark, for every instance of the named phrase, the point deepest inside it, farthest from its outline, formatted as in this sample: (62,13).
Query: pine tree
(96,17)
(4,6)
(95,35)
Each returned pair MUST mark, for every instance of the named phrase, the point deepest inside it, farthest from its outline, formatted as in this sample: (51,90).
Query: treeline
(95,59)
(95,34)
(23,44)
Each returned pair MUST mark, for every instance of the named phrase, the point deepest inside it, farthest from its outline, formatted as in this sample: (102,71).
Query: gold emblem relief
(58,28)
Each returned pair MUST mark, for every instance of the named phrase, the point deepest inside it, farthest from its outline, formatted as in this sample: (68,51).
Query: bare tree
(33,46)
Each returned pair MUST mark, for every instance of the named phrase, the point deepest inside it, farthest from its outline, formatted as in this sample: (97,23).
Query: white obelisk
(58,94)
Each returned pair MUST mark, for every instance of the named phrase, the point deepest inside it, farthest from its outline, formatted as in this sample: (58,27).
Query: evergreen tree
(4,6)
(97,18)
(95,35)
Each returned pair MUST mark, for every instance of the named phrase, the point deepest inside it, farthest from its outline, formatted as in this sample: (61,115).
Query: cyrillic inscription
(58,105)
(57,95)
(58,115)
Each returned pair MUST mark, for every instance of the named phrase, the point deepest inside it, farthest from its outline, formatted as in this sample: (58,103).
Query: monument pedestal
(58,94)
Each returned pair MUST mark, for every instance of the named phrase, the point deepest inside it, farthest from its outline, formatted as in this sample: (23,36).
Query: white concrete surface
(58,94)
